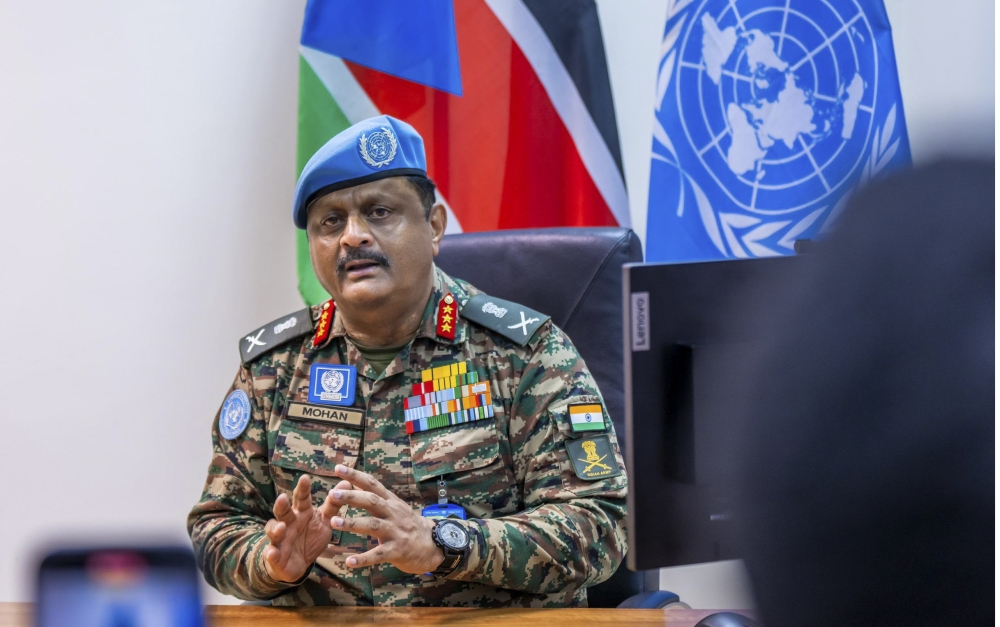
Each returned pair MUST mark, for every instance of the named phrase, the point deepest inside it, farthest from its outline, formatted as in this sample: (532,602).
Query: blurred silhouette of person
(864,477)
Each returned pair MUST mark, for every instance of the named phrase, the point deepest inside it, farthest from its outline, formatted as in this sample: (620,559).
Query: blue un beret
(370,150)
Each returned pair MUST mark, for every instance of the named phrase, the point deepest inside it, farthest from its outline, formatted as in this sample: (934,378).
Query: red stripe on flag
(547,183)
(501,154)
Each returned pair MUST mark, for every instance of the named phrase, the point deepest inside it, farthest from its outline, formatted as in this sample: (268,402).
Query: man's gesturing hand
(404,536)
(299,532)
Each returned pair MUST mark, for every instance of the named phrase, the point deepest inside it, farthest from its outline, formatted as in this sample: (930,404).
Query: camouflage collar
(443,284)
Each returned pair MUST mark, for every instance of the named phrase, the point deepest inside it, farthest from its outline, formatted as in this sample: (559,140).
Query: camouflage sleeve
(571,533)
(227,524)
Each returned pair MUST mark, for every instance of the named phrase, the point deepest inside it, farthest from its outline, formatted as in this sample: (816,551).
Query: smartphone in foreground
(118,587)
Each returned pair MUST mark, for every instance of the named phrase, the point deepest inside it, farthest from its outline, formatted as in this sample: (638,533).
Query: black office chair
(575,276)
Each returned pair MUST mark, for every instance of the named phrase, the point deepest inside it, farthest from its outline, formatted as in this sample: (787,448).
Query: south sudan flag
(512,98)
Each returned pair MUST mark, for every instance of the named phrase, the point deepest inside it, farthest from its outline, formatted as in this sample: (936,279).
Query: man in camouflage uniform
(408,389)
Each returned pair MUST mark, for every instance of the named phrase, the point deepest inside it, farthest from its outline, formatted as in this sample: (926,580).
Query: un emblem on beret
(235,414)
(378,149)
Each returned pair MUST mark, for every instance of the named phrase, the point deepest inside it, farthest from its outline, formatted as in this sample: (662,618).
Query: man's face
(373,242)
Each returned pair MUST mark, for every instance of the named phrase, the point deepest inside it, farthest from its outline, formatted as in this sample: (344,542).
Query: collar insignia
(325,324)
(446,318)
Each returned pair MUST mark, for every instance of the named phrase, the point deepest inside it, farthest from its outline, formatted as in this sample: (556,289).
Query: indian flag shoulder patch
(586,417)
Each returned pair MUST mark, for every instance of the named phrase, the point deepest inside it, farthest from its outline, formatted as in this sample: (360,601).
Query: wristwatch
(453,539)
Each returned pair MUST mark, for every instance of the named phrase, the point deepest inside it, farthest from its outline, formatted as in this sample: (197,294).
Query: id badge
(448,510)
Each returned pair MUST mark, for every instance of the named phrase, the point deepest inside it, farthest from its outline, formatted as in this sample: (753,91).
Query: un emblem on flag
(769,111)
(378,149)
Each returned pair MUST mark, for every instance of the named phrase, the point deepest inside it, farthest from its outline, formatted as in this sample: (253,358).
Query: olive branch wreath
(392,149)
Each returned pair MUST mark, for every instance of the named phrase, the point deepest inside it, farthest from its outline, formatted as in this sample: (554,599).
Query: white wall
(147,162)
(147,154)
(946,57)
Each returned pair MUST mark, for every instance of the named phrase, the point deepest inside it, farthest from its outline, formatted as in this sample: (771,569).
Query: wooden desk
(19,615)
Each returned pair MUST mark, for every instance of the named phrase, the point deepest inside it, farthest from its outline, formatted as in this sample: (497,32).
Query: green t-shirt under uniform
(380,358)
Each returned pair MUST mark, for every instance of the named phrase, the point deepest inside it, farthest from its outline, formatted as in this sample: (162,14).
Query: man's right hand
(298,533)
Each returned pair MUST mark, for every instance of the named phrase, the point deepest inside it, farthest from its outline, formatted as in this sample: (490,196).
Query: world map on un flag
(769,112)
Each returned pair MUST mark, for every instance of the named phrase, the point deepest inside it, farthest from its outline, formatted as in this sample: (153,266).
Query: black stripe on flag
(574,29)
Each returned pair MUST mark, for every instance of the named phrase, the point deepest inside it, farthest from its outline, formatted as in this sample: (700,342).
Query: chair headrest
(550,270)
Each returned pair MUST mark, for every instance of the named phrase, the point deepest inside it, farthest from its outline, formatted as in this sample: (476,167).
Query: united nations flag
(769,112)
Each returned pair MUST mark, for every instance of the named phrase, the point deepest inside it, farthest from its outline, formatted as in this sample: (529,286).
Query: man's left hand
(404,536)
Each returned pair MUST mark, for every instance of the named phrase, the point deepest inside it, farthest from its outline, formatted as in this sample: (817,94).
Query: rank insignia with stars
(325,323)
(447,313)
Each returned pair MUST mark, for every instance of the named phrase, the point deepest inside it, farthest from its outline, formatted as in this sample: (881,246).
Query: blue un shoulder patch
(235,414)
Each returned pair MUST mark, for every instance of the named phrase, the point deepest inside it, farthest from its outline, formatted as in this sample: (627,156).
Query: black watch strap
(449,564)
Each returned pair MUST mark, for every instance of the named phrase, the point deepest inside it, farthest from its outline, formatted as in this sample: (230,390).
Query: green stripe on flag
(579,415)
(319,120)
(588,426)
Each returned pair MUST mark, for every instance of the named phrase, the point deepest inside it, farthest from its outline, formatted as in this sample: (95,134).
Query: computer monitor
(682,322)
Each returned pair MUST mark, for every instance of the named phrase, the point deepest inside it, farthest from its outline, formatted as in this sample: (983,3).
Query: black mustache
(361,254)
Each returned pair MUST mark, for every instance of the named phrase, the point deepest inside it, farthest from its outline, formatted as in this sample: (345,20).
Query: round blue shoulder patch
(235,414)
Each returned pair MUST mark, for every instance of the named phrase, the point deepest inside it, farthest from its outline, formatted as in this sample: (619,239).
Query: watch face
(453,535)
